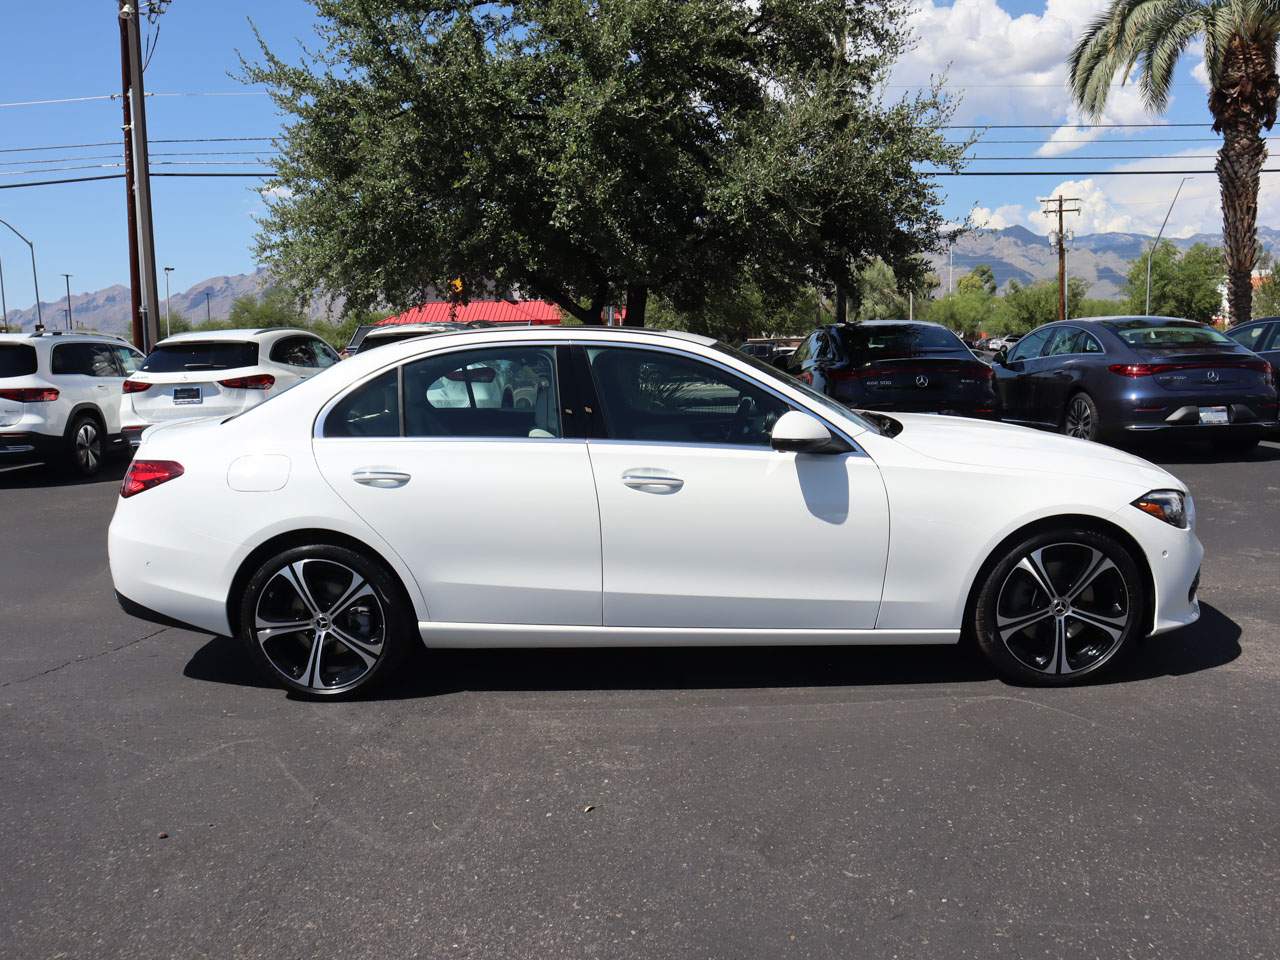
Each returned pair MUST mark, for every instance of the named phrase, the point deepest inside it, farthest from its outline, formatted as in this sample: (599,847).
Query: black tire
(1081,418)
(359,625)
(86,445)
(1096,607)
(1235,445)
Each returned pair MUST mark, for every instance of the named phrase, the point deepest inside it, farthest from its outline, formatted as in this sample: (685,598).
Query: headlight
(1172,506)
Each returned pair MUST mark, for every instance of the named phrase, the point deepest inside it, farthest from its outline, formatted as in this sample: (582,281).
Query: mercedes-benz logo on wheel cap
(922,380)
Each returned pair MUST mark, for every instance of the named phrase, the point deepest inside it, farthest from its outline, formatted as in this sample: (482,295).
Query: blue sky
(1004,60)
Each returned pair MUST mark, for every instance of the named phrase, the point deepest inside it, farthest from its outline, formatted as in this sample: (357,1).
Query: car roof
(59,336)
(379,330)
(234,336)
(893,323)
(1130,322)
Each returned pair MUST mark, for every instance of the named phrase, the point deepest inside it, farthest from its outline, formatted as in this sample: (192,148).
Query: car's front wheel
(1060,606)
(324,621)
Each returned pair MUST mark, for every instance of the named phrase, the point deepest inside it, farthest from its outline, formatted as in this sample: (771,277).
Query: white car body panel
(503,542)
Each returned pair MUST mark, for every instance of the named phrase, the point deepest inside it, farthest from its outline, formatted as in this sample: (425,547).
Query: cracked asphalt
(159,801)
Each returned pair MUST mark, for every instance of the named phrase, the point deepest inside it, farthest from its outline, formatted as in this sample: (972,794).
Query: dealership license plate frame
(1214,416)
(187,395)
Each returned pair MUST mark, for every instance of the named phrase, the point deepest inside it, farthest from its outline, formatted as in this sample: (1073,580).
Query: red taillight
(145,474)
(1134,370)
(30,394)
(135,386)
(259,381)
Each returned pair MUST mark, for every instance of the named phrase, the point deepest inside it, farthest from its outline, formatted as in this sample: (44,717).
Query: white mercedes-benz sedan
(638,488)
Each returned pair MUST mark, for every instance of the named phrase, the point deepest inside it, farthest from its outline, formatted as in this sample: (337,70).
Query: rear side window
(17,360)
(1251,337)
(130,360)
(201,355)
(372,410)
(864,344)
(1029,346)
(294,352)
(495,392)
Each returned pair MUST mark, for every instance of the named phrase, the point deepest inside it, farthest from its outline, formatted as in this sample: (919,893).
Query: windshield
(820,399)
(17,360)
(198,355)
(382,339)
(1141,334)
(881,341)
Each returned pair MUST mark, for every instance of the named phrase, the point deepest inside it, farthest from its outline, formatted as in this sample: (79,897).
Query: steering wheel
(741,426)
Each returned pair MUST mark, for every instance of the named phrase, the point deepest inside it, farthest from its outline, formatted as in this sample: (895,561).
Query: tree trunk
(637,301)
(1242,104)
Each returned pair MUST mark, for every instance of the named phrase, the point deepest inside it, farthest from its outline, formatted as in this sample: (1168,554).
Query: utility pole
(135,286)
(4,307)
(67,277)
(168,330)
(1058,206)
(208,317)
(147,316)
(951,265)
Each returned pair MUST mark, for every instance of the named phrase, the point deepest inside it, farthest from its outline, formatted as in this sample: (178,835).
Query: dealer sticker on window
(1214,415)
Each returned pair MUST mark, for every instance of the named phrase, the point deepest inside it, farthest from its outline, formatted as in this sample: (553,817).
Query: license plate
(1214,415)
(187,395)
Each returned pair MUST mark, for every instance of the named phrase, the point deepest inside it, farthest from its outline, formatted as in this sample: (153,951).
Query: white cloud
(277,192)
(1014,68)
(999,218)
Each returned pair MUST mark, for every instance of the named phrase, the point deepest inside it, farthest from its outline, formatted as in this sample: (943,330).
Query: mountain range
(1013,253)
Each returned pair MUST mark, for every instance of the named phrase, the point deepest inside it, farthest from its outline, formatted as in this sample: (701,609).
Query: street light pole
(168,331)
(4,307)
(208,316)
(70,324)
(35,279)
(1151,255)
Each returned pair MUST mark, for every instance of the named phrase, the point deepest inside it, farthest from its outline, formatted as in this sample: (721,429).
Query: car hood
(1003,446)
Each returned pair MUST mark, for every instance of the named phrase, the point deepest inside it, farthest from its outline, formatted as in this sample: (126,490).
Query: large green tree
(590,152)
(1240,39)
(1186,284)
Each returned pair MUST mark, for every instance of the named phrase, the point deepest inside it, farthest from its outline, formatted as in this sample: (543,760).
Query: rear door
(493,508)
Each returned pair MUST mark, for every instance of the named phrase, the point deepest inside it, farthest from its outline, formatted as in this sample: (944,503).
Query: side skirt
(539,635)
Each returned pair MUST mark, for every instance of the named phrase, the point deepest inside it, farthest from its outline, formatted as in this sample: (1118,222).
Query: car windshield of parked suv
(885,341)
(201,355)
(17,360)
(820,399)
(1140,333)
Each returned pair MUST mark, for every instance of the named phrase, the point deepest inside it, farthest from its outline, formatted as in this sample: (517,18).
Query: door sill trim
(437,634)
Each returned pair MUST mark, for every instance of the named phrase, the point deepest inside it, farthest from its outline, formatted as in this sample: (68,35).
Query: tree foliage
(1186,284)
(982,277)
(589,152)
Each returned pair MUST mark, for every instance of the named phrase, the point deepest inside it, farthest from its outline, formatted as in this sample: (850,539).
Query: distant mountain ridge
(1013,253)
(107,310)
(1101,259)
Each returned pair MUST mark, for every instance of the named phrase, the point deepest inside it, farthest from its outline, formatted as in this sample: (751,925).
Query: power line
(1059,126)
(1077,173)
(113,96)
(115,143)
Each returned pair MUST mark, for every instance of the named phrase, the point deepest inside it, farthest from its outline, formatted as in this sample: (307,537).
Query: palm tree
(1240,53)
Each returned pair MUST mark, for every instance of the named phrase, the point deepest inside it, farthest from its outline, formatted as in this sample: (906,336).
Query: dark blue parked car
(1102,378)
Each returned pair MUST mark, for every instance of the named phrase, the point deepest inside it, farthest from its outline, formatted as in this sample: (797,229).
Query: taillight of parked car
(135,386)
(1135,370)
(30,394)
(145,474)
(259,381)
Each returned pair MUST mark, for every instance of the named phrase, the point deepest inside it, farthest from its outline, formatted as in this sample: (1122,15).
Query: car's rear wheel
(84,450)
(1081,419)
(1060,606)
(324,621)
(1235,445)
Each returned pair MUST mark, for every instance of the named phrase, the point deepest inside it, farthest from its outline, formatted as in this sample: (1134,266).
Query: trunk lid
(922,381)
(1201,371)
(191,393)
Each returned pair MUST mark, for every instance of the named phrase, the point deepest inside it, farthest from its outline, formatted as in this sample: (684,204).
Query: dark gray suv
(1102,378)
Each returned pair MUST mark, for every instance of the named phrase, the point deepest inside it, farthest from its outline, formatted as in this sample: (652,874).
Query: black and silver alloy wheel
(85,451)
(1082,418)
(1060,607)
(320,619)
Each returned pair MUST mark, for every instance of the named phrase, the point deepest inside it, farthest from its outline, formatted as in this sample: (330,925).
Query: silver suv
(60,397)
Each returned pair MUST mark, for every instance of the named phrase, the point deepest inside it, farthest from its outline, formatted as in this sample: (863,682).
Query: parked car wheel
(1235,444)
(1081,419)
(1060,605)
(84,445)
(324,621)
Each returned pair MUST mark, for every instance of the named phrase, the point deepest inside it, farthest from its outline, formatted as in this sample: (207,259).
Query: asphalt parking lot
(160,801)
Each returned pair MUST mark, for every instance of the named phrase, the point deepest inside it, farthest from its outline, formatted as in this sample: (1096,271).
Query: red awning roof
(539,312)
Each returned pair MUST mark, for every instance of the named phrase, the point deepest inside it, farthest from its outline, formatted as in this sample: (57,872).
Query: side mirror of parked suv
(797,432)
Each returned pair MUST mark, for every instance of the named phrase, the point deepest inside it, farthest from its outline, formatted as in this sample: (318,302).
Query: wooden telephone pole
(1058,206)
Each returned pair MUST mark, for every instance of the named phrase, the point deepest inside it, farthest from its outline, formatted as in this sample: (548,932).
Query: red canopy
(539,312)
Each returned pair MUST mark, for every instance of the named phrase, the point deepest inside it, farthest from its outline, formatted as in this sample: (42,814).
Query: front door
(704,525)
(474,485)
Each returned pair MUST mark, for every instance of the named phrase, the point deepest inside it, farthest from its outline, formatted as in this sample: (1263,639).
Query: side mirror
(1001,356)
(797,432)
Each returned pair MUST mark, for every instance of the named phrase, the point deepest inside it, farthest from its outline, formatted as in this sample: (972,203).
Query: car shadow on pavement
(45,475)
(1211,642)
(1173,454)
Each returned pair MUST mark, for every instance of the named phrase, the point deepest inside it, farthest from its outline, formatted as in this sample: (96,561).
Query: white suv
(218,373)
(59,397)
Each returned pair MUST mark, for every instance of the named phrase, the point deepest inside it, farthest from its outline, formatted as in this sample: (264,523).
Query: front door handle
(379,477)
(652,480)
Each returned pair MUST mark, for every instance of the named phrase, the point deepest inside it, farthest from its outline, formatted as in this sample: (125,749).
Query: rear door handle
(653,480)
(379,477)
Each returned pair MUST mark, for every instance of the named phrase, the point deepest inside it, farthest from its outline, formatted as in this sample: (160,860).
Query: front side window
(494,392)
(667,398)
(1029,346)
